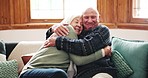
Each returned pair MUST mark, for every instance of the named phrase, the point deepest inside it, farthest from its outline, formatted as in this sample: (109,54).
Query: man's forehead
(90,14)
(90,10)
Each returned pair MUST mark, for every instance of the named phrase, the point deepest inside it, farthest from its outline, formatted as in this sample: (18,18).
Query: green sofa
(130,56)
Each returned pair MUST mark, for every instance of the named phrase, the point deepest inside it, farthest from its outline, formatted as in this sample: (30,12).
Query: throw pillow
(135,53)
(8,69)
(2,51)
(123,68)
(27,57)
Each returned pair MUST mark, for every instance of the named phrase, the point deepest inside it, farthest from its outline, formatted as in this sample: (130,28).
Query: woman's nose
(77,27)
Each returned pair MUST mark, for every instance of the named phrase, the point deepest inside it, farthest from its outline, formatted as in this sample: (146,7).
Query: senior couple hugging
(78,47)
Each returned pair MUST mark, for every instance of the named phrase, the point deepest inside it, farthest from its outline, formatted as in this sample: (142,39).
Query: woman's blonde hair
(69,19)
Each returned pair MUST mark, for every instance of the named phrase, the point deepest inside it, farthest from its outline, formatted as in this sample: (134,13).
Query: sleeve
(48,33)
(91,43)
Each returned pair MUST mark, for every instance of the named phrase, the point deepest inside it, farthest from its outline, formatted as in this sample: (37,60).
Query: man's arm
(59,29)
(96,40)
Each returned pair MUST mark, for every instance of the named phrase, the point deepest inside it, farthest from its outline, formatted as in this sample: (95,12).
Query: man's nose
(89,19)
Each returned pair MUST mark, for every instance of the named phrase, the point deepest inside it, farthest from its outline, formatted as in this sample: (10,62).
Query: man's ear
(98,19)
(81,20)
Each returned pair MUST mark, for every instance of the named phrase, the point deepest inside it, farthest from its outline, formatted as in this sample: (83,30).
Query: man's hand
(107,51)
(60,29)
(50,41)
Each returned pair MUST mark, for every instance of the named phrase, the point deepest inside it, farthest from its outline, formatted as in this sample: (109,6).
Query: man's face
(90,19)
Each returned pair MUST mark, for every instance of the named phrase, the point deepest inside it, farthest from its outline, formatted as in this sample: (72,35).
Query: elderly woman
(48,62)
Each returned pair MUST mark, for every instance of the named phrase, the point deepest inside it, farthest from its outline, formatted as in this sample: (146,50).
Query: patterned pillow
(122,67)
(8,69)
(135,52)
(2,51)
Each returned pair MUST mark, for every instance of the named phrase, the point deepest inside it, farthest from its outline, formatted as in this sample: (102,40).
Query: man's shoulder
(102,27)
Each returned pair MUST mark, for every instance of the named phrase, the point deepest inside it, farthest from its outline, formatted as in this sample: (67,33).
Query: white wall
(130,34)
(23,35)
(39,34)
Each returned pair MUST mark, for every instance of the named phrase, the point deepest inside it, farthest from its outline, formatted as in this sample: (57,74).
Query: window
(139,11)
(47,10)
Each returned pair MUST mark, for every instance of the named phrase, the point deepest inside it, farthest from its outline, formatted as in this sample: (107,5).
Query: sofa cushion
(8,69)
(123,68)
(2,51)
(136,54)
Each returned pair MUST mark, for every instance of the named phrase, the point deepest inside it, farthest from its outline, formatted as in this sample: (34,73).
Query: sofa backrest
(15,50)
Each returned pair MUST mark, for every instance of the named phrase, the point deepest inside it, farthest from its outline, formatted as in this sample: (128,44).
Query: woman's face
(76,25)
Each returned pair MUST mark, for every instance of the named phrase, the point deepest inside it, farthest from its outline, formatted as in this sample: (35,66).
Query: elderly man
(93,38)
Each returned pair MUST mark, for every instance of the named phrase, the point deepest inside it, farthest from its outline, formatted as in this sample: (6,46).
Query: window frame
(17,16)
(40,20)
(135,20)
